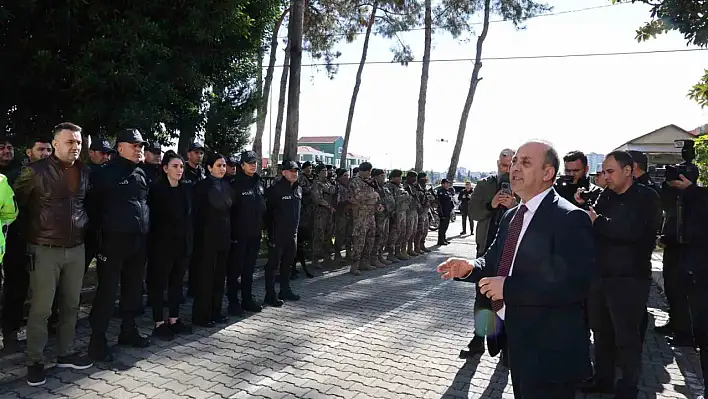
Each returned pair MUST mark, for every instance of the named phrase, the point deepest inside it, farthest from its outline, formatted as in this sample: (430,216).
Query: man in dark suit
(537,274)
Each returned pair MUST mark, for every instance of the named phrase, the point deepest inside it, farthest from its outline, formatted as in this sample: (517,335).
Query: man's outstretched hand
(454,268)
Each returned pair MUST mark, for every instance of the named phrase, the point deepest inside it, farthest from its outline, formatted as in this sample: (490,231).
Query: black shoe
(272,300)
(74,361)
(504,360)
(163,332)
(220,319)
(463,233)
(476,346)
(35,375)
(251,306)
(10,343)
(204,324)
(133,338)
(235,309)
(98,350)
(180,328)
(593,386)
(288,296)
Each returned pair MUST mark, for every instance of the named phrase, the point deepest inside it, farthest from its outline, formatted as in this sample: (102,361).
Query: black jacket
(11,171)
(117,198)
(170,216)
(464,197)
(212,214)
(192,176)
(152,171)
(696,230)
(248,209)
(445,202)
(625,231)
(283,202)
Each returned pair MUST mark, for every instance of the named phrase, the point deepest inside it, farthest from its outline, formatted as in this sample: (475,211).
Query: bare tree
(423,94)
(292,123)
(457,15)
(281,109)
(265,93)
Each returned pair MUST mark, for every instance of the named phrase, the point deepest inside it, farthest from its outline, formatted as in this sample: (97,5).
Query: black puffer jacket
(117,198)
(283,202)
(248,209)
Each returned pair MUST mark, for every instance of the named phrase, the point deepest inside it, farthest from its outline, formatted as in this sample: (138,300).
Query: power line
(519,57)
(551,14)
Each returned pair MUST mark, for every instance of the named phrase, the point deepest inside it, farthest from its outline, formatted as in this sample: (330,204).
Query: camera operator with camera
(675,241)
(693,259)
(576,180)
(625,219)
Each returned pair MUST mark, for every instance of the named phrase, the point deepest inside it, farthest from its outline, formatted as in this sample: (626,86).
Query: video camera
(566,182)
(687,168)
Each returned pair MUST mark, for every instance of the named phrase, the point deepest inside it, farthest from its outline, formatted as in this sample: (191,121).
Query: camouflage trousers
(363,233)
(396,232)
(343,229)
(423,226)
(382,229)
(321,233)
(411,226)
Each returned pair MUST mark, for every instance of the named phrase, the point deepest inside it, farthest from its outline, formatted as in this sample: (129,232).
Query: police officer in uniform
(283,200)
(153,157)
(193,173)
(117,201)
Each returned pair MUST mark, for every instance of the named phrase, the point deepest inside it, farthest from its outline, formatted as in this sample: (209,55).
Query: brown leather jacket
(55,215)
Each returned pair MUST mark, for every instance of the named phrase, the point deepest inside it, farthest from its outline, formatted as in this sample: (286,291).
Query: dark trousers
(91,247)
(166,270)
(280,257)
(527,388)
(675,291)
(209,285)
(442,229)
(242,263)
(616,308)
(121,260)
(15,265)
(695,286)
(465,219)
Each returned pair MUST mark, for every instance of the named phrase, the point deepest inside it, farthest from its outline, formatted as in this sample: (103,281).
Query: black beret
(319,168)
(340,172)
(365,167)
(411,174)
(306,164)
(355,170)
(377,172)
(422,175)
(395,173)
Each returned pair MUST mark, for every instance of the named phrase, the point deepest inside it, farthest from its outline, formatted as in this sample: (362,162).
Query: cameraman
(576,180)
(694,265)
(626,217)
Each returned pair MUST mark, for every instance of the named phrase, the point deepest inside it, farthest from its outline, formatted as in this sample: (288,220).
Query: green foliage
(113,64)
(701,161)
(686,17)
(456,16)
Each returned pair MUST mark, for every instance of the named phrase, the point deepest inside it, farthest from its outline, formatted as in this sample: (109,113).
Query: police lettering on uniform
(283,201)
(247,213)
(117,201)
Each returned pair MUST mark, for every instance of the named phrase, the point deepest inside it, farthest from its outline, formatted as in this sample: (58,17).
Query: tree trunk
(357,85)
(259,94)
(292,123)
(281,111)
(452,171)
(263,104)
(423,94)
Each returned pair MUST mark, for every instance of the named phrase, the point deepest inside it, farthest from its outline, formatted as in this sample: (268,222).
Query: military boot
(423,248)
(365,264)
(375,262)
(383,260)
(411,250)
(354,268)
(402,255)
(392,255)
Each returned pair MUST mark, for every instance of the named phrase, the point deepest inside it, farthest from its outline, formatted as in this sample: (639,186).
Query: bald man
(537,274)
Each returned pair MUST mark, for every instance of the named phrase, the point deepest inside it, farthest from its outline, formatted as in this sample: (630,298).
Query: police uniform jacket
(248,209)
(283,202)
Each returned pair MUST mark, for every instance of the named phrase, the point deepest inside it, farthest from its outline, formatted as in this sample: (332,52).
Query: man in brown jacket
(52,192)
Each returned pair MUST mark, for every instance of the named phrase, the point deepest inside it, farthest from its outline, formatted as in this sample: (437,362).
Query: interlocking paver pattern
(392,333)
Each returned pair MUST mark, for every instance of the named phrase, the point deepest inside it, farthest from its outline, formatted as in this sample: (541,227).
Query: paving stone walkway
(391,333)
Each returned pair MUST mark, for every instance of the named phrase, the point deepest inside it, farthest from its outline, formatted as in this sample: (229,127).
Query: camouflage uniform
(304,231)
(397,225)
(364,200)
(423,219)
(383,221)
(412,219)
(343,221)
(321,193)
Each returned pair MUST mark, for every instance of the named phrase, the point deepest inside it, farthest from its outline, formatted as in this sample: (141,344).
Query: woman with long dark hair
(171,235)
(212,222)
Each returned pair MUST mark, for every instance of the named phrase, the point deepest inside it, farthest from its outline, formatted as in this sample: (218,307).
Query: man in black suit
(537,273)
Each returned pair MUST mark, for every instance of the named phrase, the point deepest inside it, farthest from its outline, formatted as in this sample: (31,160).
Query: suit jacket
(544,323)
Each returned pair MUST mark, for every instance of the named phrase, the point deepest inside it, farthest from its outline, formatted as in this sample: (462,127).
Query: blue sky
(591,104)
